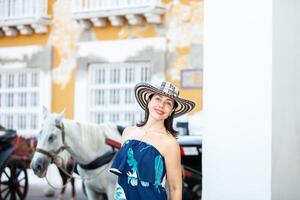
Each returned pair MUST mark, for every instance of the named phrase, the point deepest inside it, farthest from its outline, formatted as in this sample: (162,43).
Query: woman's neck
(153,124)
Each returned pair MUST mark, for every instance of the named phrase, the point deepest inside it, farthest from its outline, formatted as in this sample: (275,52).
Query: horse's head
(50,142)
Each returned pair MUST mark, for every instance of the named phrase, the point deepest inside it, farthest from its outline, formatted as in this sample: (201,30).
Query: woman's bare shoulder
(170,144)
(128,131)
(172,141)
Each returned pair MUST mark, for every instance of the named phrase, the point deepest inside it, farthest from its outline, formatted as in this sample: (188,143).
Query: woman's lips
(158,111)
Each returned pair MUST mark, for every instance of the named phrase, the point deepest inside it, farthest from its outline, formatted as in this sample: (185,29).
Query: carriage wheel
(13,181)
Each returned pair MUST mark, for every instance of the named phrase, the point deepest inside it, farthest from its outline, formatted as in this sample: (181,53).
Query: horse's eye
(51,138)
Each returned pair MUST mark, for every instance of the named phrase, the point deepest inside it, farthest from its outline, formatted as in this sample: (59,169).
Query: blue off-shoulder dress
(141,172)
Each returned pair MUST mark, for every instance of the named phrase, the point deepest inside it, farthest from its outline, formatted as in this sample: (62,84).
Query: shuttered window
(19,99)
(111,91)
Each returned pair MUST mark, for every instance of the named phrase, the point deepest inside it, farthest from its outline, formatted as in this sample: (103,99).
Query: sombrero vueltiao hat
(144,90)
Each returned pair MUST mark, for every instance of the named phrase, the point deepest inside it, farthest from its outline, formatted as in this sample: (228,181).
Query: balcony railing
(99,12)
(24,17)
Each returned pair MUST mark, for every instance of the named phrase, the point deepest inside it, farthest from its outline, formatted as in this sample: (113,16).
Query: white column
(251,144)
(286,100)
(237,100)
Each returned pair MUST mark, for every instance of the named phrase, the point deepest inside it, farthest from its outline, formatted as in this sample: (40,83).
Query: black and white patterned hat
(144,90)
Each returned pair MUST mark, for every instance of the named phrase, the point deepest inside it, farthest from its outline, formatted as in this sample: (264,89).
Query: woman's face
(160,107)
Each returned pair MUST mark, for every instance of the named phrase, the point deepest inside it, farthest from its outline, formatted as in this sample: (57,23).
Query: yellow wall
(191,94)
(61,97)
(63,37)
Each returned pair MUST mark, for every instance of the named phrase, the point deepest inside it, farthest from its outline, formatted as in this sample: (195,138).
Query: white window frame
(38,60)
(112,98)
(119,51)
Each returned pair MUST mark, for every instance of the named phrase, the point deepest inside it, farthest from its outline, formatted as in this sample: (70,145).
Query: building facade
(87,55)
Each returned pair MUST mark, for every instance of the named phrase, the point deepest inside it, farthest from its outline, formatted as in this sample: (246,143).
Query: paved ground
(38,187)
(38,191)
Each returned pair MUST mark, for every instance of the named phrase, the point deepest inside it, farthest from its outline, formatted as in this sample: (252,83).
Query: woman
(150,151)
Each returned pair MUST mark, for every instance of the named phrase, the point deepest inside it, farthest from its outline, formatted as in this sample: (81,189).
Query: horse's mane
(98,132)
(104,129)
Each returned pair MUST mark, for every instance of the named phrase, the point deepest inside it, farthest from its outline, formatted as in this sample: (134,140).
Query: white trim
(111,93)
(32,59)
(115,170)
(117,51)
(81,93)
(94,11)
(24,17)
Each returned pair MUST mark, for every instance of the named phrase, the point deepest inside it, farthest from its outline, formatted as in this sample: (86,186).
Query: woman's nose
(161,104)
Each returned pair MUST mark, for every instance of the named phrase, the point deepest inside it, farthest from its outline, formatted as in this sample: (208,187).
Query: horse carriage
(16,153)
(15,157)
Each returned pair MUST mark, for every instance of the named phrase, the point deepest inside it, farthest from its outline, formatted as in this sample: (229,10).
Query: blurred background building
(87,55)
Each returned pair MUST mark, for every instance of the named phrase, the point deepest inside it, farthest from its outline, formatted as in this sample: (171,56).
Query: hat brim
(144,90)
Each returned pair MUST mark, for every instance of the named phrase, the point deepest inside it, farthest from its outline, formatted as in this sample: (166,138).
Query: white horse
(85,143)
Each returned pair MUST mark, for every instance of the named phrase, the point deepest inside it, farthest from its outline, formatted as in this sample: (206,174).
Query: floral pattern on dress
(158,164)
(131,157)
(119,193)
(132,176)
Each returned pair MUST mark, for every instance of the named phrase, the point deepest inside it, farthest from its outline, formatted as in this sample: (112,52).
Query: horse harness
(98,162)
(53,154)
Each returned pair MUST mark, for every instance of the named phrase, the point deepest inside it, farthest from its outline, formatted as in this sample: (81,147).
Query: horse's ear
(60,117)
(45,112)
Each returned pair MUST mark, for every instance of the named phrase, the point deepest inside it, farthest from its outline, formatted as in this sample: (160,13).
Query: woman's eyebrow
(168,99)
(160,96)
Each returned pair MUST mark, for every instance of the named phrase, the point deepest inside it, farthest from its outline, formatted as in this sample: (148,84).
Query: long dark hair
(168,121)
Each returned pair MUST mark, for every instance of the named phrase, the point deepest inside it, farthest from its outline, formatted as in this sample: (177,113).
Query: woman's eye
(169,104)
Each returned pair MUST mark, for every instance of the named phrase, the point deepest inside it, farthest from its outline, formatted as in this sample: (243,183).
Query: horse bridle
(53,154)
